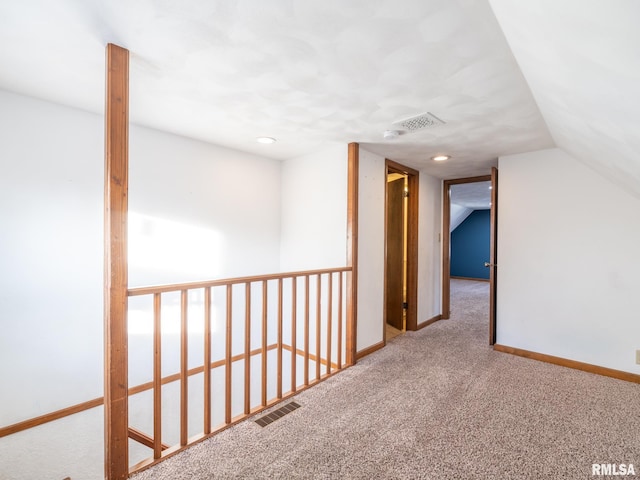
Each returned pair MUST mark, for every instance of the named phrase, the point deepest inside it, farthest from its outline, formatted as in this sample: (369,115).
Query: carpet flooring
(434,404)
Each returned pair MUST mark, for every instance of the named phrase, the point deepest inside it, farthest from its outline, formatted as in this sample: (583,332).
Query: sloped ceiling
(306,72)
(476,196)
(581,59)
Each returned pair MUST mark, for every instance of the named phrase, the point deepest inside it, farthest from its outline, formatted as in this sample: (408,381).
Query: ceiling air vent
(419,122)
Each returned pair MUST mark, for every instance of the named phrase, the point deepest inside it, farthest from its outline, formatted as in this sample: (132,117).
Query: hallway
(437,403)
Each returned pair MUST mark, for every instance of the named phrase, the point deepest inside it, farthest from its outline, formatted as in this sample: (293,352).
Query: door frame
(446,245)
(412,245)
(493,257)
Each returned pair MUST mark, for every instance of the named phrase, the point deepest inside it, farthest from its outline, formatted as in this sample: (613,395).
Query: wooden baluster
(247,348)
(157,376)
(329,312)
(228,354)
(294,302)
(306,330)
(207,360)
(318,324)
(279,376)
(340,320)
(184,367)
(264,343)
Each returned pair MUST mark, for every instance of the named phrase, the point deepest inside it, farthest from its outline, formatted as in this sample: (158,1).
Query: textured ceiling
(308,73)
(581,59)
(476,196)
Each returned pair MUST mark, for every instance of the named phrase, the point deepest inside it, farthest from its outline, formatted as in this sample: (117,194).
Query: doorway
(401,250)
(491,264)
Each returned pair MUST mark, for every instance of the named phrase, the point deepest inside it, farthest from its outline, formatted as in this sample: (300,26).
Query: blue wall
(470,246)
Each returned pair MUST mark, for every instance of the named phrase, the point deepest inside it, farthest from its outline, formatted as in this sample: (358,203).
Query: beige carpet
(434,404)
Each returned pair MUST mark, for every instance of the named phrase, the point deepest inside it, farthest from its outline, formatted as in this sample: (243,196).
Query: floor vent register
(277,414)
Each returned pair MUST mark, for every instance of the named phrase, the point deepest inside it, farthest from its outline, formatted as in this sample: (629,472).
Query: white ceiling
(476,196)
(312,73)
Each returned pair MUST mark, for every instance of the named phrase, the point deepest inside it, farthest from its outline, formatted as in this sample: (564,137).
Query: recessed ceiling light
(440,158)
(266,140)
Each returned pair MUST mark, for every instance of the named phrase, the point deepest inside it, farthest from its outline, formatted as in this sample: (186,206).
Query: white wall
(51,256)
(568,261)
(51,191)
(371,186)
(314,210)
(429,248)
(198,211)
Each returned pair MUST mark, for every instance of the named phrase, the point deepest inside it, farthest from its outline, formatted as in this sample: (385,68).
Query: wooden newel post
(352,252)
(115,263)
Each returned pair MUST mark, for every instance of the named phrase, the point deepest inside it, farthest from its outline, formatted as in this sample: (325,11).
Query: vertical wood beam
(352,252)
(115,262)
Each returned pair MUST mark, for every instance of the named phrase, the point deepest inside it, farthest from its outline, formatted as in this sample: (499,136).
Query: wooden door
(395,253)
(493,256)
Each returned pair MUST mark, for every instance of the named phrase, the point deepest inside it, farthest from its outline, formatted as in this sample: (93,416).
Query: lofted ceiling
(314,73)
(581,59)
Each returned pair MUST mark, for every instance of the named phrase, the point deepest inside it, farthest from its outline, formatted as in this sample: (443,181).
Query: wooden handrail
(50,417)
(133,292)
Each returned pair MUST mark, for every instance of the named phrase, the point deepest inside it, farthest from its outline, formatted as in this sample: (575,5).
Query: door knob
(487,264)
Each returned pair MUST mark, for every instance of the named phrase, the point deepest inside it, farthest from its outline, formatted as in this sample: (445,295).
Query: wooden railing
(306,313)
(293,324)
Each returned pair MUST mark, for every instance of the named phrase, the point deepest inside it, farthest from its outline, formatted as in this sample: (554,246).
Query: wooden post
(115,267)
(352,253)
